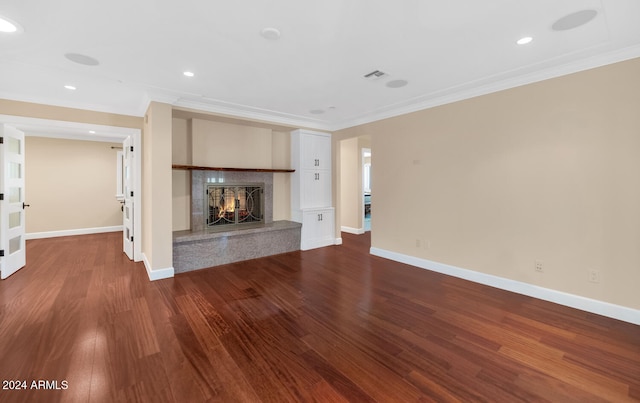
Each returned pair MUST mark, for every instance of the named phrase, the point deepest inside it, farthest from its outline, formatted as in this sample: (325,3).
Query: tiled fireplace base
(194,250)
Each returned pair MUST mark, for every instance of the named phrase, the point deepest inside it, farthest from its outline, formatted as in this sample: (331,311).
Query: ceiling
(313,75)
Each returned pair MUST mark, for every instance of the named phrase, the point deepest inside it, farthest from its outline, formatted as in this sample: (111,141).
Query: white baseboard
(157,274)
(338,241)
(350,230)
(574,301)
(71,232)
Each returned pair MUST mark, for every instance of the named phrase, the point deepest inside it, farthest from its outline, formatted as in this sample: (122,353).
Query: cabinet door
(325,227)
(316,152)
(316,189)
(317,229)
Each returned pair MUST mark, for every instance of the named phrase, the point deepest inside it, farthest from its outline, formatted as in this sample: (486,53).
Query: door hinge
(1,140)
(1,196)
(131,239)
(132,193)
(1,252)
(131,149)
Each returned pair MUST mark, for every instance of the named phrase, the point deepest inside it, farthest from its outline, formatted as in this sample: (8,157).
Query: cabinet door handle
(319,217)
(317,176)
(316,162)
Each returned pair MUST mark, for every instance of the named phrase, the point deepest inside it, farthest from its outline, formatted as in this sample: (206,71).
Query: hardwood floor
(327,325)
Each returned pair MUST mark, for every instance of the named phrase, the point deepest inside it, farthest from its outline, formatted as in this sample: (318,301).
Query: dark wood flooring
(327,325)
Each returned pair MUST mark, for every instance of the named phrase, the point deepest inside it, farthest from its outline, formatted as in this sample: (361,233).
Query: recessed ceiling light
(82,59)
(70,87)
(9,26)
(316,111)
(271,34)
(524,40)
(92,131)
(574,20)
(188,74)
(397,83)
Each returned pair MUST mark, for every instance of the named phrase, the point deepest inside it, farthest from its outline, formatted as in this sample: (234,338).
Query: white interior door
(127,207)
(12,228)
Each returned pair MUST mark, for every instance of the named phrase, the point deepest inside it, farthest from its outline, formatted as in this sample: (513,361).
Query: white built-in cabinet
(311,202)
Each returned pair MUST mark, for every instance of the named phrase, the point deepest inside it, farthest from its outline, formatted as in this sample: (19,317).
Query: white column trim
(157,274)
(351,230)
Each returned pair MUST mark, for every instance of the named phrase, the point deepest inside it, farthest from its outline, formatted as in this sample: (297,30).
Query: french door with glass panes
(12,228)
(127,208)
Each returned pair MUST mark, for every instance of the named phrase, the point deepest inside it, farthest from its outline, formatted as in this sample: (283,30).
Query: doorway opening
(355,174)
(60,152)
(366,187)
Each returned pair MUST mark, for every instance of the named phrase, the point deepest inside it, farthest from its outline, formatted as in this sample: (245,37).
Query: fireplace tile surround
(199,179)
(202,247)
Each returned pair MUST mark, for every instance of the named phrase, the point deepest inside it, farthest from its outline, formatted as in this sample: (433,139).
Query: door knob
(25,205)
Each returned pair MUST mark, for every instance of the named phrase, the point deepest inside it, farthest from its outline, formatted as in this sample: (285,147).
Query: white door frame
(136,139)
(363,152)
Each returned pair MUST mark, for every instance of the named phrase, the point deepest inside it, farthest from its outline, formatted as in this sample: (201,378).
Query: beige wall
(548,171)
(28,109)
(350,185)
(70,185)
(209,143)
(230,146)
(181,154)
(157,239)
(281,159)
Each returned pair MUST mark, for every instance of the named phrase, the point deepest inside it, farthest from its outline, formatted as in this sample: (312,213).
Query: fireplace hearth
(231,221)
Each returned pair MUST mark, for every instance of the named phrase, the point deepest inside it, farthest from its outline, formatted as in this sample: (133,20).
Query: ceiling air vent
(375,75)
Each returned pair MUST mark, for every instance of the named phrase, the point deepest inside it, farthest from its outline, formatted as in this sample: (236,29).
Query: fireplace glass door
(234,205)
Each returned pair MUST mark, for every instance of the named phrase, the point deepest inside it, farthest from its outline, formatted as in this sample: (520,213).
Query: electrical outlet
(539,266)
(594,276)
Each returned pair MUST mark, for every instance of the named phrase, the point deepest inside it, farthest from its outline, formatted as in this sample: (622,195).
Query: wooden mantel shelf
(197,168)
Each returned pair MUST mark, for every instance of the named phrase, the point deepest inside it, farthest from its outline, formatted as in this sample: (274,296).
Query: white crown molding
(471,90)
(253,113)
(155,95)
(442,97)
(426,101)
(574,301)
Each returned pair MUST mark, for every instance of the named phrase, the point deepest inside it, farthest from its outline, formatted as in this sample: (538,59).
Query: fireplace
(231,221)
(233,205)
(214,195)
